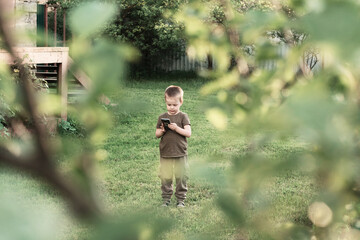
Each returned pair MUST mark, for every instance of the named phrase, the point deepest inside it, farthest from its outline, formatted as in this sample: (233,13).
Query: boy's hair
(174,91)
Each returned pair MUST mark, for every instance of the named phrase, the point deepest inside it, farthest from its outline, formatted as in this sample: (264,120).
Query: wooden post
(62,85)
(64,28)
(55,23)
(46,24)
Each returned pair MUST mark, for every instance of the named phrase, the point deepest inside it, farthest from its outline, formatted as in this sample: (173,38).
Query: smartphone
(165,122)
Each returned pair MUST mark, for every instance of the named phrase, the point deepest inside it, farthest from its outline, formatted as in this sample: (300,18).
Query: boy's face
(173,104)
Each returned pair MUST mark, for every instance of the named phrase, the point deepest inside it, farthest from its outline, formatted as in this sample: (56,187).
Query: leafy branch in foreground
(318,108)
(37,153)
(41,161)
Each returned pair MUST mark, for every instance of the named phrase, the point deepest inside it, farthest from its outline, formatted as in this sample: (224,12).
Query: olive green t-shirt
(173,144)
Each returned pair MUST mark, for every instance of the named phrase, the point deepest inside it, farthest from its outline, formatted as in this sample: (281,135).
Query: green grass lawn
(129,180)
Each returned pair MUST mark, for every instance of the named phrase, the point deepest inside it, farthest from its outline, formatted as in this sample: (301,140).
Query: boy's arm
(186,131)
(160,131)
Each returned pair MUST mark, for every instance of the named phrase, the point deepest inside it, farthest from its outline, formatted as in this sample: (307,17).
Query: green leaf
(337,24)
(217,117)
(230,205)
(91,17)
(104,64)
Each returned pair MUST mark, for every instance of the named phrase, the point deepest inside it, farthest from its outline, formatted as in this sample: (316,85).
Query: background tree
(143,24)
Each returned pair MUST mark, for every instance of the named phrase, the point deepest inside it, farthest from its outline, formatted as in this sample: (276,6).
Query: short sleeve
(186,120)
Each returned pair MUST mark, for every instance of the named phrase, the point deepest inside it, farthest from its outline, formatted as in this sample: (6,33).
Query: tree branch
(40,162)
(234,39)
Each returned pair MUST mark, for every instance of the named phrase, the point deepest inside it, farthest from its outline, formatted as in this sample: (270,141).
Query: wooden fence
(182,62)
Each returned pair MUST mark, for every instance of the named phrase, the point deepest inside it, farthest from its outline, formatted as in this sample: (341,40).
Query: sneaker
(166,203)
(180,204)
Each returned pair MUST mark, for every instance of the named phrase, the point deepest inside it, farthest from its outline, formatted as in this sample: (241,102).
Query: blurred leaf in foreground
(19,221)
(90,18)
(334,23)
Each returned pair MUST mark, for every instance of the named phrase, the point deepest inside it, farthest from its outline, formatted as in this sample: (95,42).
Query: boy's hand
(173,126)
(160,131)
(186,131)
(162,128)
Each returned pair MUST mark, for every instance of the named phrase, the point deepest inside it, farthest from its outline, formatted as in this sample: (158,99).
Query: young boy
(173,147)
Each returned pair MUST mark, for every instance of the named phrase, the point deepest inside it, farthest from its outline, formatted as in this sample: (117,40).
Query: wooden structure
(46,55)
(52,62)
(50,57)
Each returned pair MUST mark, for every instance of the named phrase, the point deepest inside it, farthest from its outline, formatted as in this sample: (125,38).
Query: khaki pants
(170,167)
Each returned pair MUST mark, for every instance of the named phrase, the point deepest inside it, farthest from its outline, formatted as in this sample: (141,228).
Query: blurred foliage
(9,111)
(18,221)
(71,127)
(39,84)
(319,108)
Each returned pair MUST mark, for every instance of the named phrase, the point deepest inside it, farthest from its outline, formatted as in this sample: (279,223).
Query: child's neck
(174,113)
